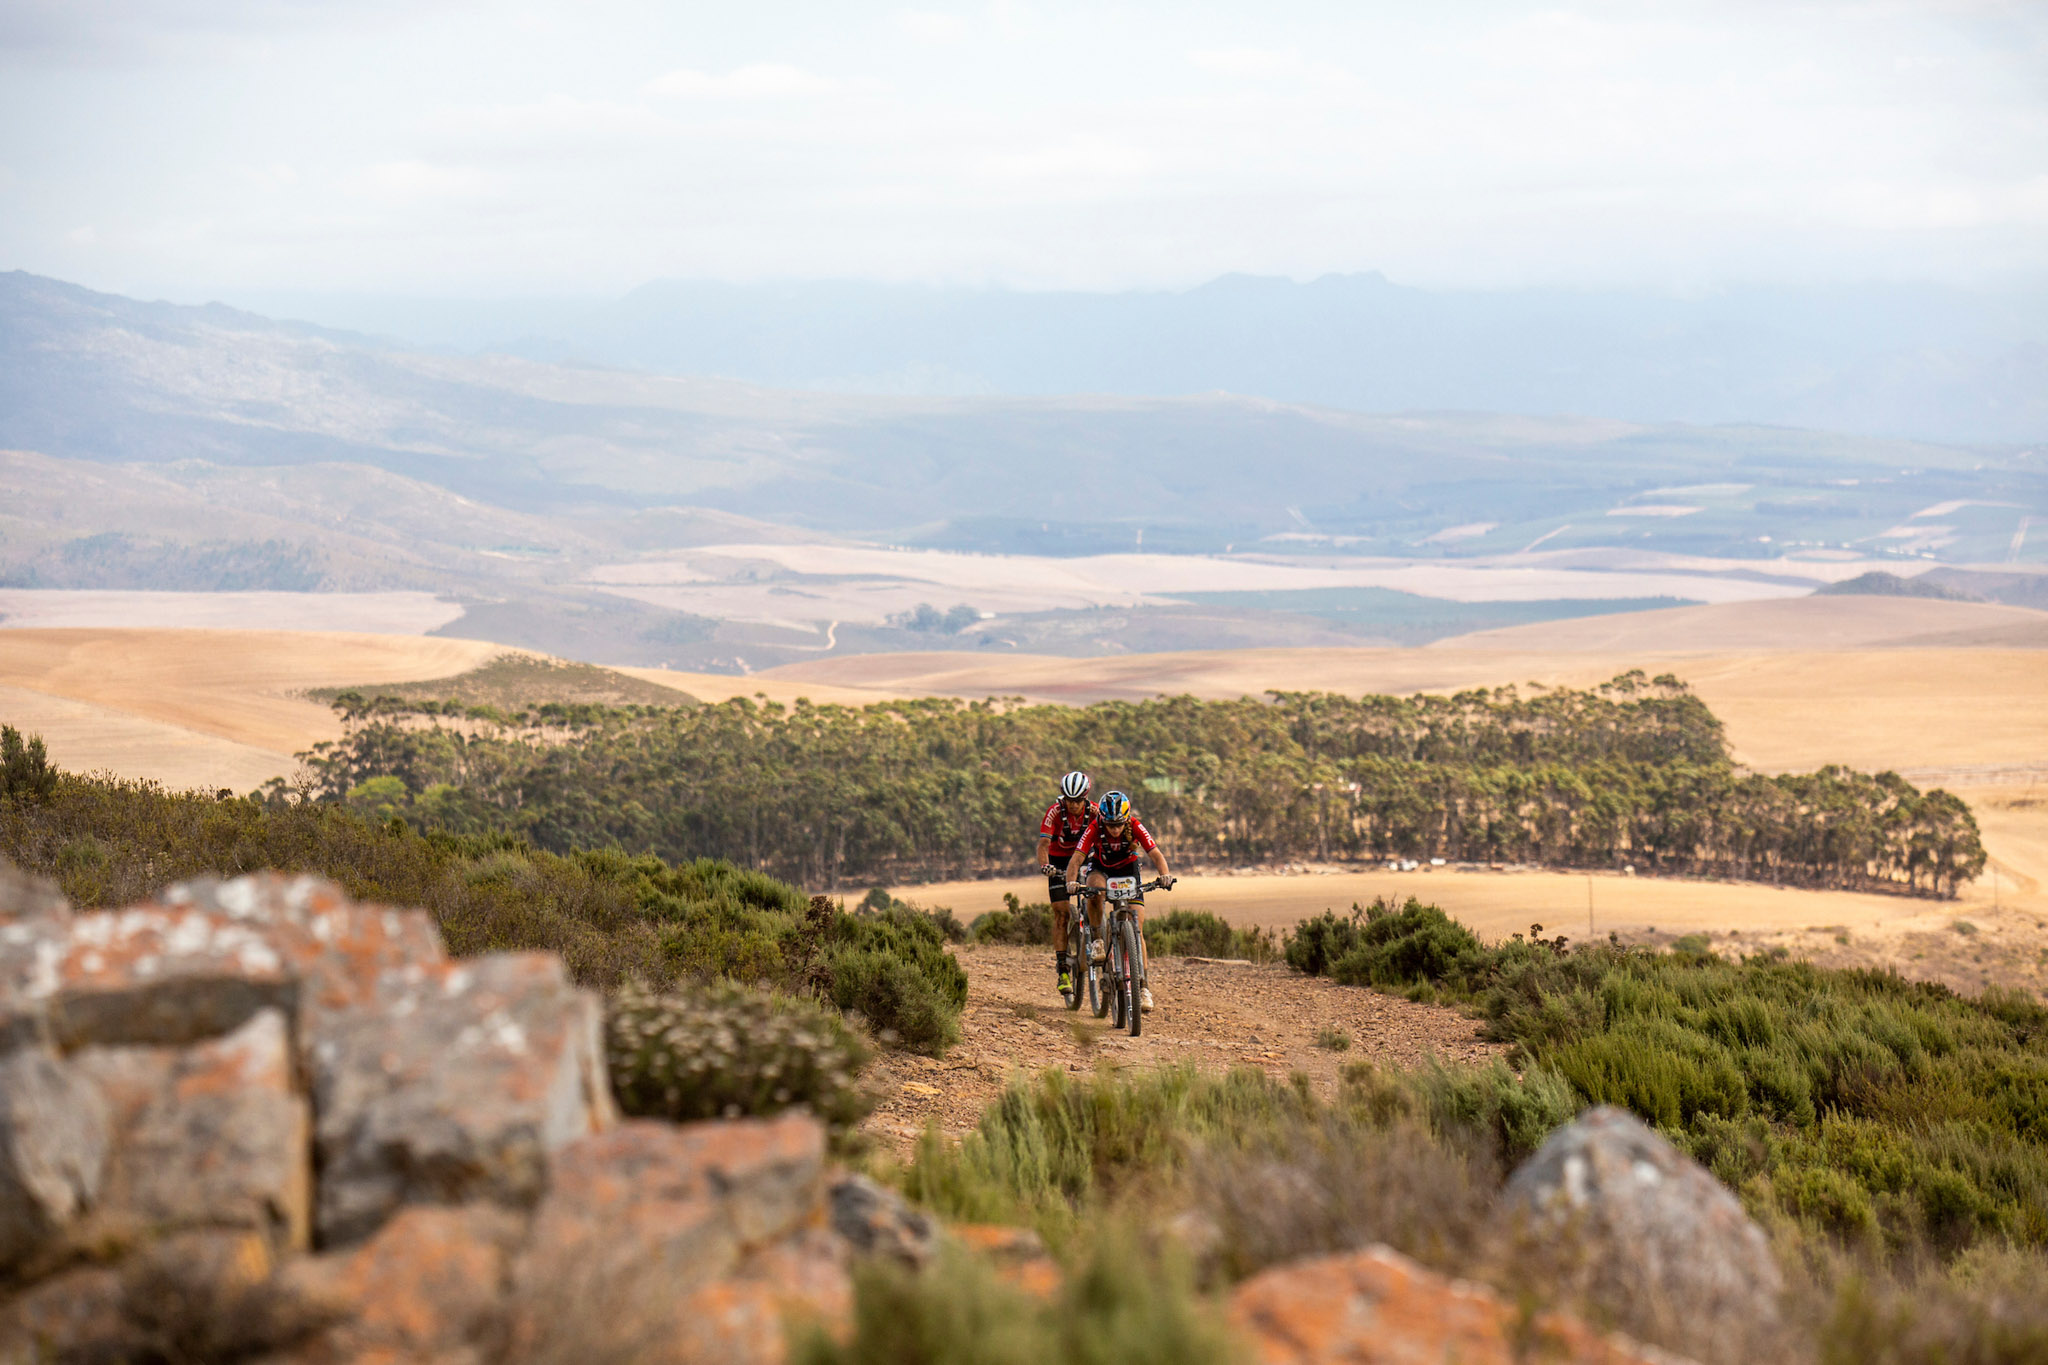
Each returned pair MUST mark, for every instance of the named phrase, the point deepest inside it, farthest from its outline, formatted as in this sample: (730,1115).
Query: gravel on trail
(1216,1014)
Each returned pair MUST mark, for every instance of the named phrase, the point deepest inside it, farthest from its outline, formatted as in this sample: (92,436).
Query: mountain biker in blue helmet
(1110,848)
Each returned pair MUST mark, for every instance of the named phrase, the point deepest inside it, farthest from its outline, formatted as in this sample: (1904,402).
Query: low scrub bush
(1853,1103)
(1123,1305)
(613,917)
(1197,933)
(722,1050)
(1016,923)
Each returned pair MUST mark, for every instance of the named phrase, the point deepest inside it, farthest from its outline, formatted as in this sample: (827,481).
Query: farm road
(1215,1015)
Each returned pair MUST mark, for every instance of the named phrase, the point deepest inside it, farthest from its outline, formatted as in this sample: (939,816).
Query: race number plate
(1123,886)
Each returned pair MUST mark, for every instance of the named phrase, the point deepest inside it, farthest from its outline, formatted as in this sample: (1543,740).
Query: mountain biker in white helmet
(1110,848)
(1059,834)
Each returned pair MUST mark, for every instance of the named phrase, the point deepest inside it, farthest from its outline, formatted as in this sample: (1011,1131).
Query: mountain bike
(1084,975)
(1124,970)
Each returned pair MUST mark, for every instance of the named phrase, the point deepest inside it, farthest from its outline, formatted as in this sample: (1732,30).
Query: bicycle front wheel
(1131,960)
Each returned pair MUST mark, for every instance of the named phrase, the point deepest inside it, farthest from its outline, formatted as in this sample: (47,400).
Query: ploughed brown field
(1951,694)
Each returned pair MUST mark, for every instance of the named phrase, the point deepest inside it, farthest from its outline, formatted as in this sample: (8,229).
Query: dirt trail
(1215,1015)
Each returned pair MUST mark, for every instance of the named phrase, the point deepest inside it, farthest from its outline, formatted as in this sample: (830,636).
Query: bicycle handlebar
(1154,885)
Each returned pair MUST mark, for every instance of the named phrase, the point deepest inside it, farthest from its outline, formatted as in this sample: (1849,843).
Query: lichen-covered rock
(1017,1255)
(1634,1225)
(429,1285)
(876,1221)
(31,950)
(208,954)
(53,1151)
(682,1243)
(25,896)
(1377,1307)
(75,1314)
(456,1086)
(211,1135)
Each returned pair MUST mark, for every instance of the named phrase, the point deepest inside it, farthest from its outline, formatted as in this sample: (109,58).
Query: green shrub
(613,916)
(726,1051)
(899,1002)
(1025,925)
(1853,1103)
(1417,943)
(1124,1305)
(25,771)
(1197,933)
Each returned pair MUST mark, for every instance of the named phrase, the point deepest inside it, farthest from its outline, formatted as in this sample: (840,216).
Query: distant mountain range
(160,446)
(1911,361)
(103,378)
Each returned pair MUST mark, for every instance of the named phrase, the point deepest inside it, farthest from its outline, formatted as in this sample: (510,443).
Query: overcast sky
(184,148)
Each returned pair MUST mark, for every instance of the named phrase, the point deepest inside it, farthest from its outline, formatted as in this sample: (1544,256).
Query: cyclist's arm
(1152,850)
(1044,851)
(1081,852)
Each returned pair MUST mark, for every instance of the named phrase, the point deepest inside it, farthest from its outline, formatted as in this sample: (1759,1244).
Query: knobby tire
(1129,935)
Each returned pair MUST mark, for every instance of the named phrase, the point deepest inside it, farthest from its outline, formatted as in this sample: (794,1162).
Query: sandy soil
(1803,623)
(199,708)
(1214,1015)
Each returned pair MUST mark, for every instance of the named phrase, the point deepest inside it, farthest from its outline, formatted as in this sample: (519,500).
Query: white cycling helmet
(1074,784)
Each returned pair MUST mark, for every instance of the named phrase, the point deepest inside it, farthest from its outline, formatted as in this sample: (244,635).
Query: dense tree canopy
(1633,772)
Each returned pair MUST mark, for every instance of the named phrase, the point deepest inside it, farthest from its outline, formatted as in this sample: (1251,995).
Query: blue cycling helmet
(1115,806)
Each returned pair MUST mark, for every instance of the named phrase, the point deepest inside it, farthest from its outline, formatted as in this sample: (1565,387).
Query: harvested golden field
(229,708)
(1848,683)
(200,708)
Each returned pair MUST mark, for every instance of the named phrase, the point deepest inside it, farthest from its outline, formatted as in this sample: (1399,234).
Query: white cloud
(931,26)
(421,180)
(761,81)
(1252,62)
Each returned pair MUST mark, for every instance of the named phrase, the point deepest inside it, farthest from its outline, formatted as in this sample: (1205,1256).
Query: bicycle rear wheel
(1098,988)
(1129,934)
(1077,964)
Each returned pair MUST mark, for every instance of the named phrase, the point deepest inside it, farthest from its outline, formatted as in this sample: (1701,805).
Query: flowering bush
(728,1051)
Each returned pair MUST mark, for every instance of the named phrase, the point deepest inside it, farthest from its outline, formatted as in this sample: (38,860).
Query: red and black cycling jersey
(1065,831)
(1106,852)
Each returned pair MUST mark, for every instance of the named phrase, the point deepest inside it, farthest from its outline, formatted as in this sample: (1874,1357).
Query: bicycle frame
(1126,978)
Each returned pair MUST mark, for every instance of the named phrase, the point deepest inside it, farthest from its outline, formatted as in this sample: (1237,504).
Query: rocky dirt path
(1216,1015)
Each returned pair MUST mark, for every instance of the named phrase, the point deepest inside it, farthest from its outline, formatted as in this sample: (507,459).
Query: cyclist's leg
(1056,889)
(1143,964)
(1096,881)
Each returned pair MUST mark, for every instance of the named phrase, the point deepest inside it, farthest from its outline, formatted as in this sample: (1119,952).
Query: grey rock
(876,1221)
(212,1135)
(1646,1231)
(31,952)
(457,1086)
(53,1151)
(25,896)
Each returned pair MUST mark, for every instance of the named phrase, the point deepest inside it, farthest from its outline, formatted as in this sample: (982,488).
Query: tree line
(1634,772)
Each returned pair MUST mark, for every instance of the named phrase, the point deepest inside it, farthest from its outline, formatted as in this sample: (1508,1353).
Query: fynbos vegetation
(1634,772)
(612,917)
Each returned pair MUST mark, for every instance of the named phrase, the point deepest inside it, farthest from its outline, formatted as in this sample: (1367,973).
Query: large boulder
(429,1285)
(682,1243)
(53,1151)
(458,1085)
(1377,1307)
(208,954)
(1631,1224)
(211,1135)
